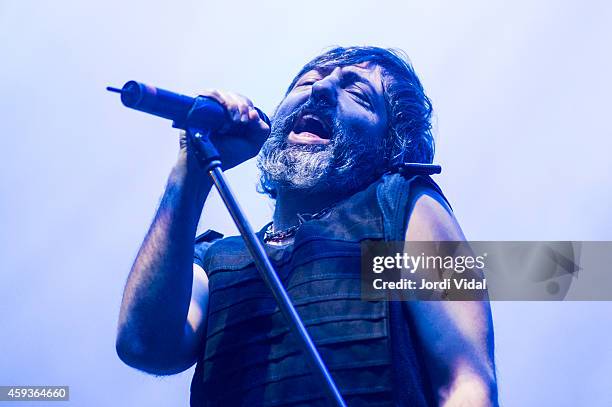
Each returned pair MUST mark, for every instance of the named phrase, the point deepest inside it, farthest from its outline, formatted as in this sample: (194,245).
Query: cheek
(370,127)
(290,103)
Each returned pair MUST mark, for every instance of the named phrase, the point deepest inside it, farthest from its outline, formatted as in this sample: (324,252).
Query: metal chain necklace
(271,236)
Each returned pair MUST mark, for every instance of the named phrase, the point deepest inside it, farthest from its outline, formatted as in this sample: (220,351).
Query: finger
(253,114)
(243,105)
(214,94)
(232,106)
(227,100)
(246,100)
(264,127)
(256,123)
(248,106)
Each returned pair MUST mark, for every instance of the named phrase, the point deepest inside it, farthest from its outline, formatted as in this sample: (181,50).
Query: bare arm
(457,336)
(154,333)
(165,299)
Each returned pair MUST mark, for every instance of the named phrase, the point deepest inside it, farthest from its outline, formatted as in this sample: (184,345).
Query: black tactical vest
(250,357)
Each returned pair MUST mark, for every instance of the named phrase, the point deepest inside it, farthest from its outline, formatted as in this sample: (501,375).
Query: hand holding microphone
(242,131)
(237,128)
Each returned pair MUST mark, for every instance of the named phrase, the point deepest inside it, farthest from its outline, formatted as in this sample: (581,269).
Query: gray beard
(348,163)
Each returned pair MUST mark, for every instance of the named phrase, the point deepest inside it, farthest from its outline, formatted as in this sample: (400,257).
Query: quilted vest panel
(250,356)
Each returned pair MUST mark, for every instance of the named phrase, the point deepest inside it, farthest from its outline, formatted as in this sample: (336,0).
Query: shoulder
(431,218)
(202,243)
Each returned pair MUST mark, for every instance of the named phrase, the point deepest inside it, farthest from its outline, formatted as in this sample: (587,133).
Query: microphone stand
(209,159)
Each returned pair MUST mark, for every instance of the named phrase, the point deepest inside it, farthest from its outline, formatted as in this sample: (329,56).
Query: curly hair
(409,137)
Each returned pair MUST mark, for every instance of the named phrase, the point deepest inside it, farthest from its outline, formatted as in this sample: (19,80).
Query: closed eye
(355,91)
(307,83)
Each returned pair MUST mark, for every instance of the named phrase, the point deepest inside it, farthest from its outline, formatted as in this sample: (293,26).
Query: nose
(324,91)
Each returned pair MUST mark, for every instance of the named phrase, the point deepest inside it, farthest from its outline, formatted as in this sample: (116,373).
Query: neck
(291,202)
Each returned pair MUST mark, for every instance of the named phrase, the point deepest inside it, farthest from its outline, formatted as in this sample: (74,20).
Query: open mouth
(310,128)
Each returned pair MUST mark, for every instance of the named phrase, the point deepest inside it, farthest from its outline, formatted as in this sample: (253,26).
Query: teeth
(304,125)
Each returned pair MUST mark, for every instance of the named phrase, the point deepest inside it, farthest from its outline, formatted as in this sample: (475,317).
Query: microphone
(185,112)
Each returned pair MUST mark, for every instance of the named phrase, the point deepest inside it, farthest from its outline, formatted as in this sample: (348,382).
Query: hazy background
(521,91)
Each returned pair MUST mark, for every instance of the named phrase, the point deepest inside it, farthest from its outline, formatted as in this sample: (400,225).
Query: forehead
(367,71)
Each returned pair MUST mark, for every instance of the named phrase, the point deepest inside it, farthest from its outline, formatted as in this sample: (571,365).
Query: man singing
(348,119)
